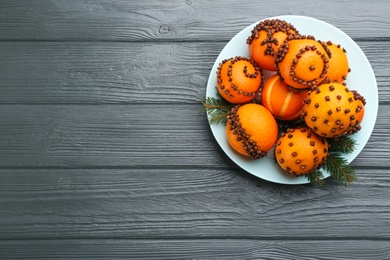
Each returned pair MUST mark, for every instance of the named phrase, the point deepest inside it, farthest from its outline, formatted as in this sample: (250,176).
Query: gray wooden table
(105,153)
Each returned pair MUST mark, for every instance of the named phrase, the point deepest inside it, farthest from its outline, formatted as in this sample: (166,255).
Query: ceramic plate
(361,78)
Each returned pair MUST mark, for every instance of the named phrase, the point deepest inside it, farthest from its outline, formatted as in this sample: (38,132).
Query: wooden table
(105,153)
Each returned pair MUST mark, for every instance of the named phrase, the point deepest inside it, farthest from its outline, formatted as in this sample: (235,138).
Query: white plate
(361,78)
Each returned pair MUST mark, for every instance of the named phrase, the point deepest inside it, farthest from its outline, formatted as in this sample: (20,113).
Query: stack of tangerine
(309,86)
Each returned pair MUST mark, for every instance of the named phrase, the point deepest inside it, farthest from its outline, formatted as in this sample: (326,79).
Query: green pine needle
(344,144)
(217,109)
(339,168)
(316,178)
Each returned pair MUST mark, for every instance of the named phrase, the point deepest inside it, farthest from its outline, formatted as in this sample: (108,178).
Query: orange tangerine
(331,110)
(282,101)
(360,112)
(265,39)
(338,64)
(238,79)
(302,61)
(361,101)
(251,130)
(300,151)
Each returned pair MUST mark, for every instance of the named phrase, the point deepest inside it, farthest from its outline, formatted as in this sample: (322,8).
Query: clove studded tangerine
(238,79)
(300,151)
(251,130)
(360,111)
(361,102)
(302,61)
(331,111)
(265,39)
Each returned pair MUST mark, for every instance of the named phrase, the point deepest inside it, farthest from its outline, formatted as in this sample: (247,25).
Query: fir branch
(339,168)
(217,109)
(344,144)
(316,178)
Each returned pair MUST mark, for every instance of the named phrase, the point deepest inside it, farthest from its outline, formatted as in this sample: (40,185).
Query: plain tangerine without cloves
(338,64)
(282,101)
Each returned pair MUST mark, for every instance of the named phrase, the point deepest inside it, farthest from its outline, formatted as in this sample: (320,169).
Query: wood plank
(119,135)
(129,136)
(104,72)
(175,20)
(186,204)
(52,72)
(196,249)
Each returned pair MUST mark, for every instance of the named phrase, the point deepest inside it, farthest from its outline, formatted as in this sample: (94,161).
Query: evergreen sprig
(217,109)
(339,169)
(336,165)
(316,178)
(344,144)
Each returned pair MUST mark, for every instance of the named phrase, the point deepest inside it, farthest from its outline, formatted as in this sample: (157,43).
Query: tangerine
(360,112)
(283,102)
(302,61)
(238,79)
(251,130)
(331,110)
(338,64)
(300,151)
(266,38)
(361,101)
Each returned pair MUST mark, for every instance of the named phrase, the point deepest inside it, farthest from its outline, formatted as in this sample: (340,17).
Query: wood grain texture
(105,153)
(176,20)
(197,249)
(79,73)
(82,73)
(129,136)
(187,204)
